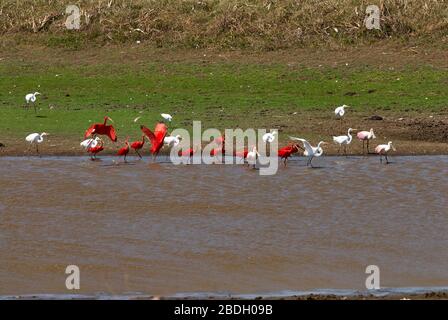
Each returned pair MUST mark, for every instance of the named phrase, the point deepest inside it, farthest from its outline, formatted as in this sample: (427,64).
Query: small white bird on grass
(383,149)
(35,138)
(269,137)
(166,116)
(310,151)
(32,97)
(172,141)
(339,113)
(252,156)
(344,140)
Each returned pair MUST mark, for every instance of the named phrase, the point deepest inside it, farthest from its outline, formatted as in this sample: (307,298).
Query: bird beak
(110,119)
(393,148)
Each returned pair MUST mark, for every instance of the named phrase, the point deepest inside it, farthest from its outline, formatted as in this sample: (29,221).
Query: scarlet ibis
(339,113)
(166,116)
(188,153)
(366,136)
(35,138)
(344,140)
(252,156)
(32,97)
(241,154)
(269,137)
(94,150)
(310,151)
(102,129)
(156,138)
(286,152)
(90,143)
(383,149)
(172,141)
(137,145)
(124,150)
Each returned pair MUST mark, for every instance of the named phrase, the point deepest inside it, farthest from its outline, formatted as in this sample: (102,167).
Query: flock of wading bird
(93,143)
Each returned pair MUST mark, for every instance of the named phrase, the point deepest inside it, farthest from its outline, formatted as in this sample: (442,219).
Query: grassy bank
(230,24)
(295,97)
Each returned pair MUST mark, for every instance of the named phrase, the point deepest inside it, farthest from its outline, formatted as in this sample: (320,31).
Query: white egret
(166,116)
(32,97)
(90,143)
(310,151)
(344,140)
(339,113)
(251,157)
(383,149)
(35,138)
(269,137)
(172,141)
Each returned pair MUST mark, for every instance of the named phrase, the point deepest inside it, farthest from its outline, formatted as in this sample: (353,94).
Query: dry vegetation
(264,25)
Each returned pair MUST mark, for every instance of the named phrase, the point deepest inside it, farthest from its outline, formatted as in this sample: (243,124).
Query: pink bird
(383,149)
(365,136)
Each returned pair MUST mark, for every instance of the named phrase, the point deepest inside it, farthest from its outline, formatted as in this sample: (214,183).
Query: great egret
(172,141)
(339,113)
(156,137)
(137,145)
(366,136)
(32,97)
(344,140)
(251,157)
(166,116)
(90,143)
(102,129)
(124,150)
(36,139)
(383,149)
(286,152)
(269,137)
(311,151)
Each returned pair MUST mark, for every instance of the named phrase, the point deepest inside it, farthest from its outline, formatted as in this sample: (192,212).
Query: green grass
(221,95)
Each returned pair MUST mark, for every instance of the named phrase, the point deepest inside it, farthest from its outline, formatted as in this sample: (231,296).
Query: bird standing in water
(137,145)
(286,152)
(344,140)
(124,150)
(383,149)
(311,151)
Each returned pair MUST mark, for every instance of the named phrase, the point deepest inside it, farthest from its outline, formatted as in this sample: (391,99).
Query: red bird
(94,151)
(187,153)
(137,145)
(286,152)
(102,129)
(124,150)
(156,138)
(241,154)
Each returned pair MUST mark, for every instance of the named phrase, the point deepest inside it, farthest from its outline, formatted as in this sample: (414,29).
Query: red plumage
(157,137)
(102,129)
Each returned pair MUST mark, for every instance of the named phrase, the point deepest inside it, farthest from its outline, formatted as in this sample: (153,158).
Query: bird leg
(311,164)
(140,156)
(345,150)
(381,158)
(35,110)
(363,147)
(368,147)
(37,149)
(387,160)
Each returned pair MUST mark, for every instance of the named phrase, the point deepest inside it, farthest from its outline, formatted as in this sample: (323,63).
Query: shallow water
(166,229)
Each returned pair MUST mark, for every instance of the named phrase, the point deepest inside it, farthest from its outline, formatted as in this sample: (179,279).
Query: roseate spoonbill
(124,150)
(344,140)
(90,143)
(166,116)
(252,156)
(366,136)
(383,149)
(137,145)
(32,97)
(156,138)
(339,113)
(102,129)
(269,137)
(35,138)
(311,151)
(286,152)
(172,141)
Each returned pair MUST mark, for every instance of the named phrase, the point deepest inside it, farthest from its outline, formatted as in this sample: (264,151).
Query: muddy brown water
(163,229)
